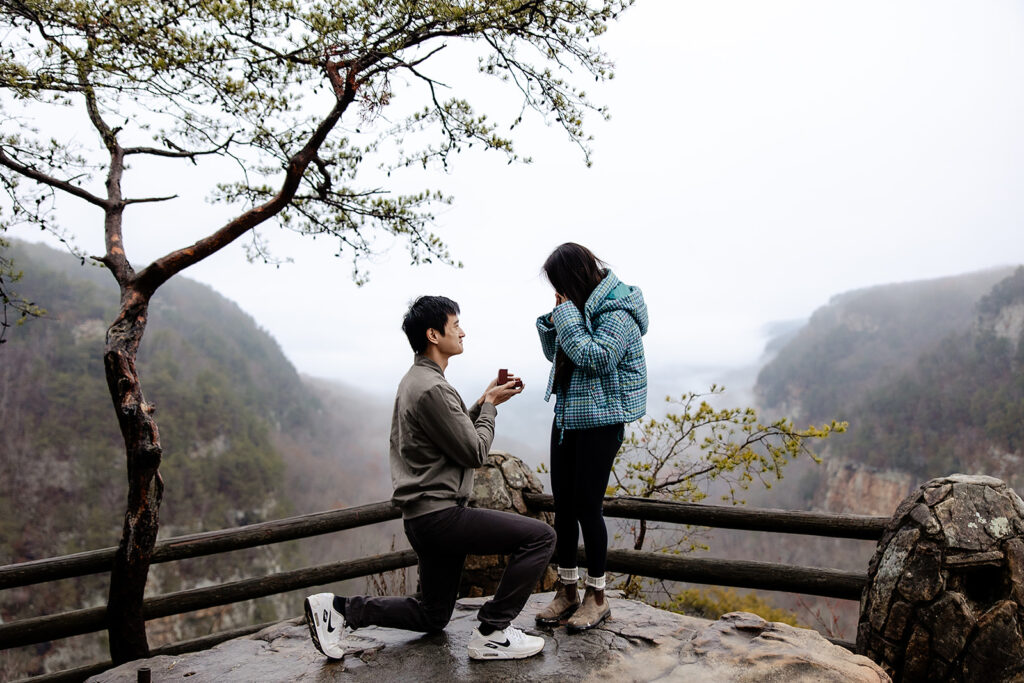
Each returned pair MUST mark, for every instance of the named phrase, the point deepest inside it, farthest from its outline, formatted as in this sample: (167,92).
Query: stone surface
(945,586)
(952,621)
(1015,560)
(918,654)
(997,644)
(896,626)
(888,572)
(927,521)
(639,643)
(958,518)
(922,575)
(936,494)
(745,647)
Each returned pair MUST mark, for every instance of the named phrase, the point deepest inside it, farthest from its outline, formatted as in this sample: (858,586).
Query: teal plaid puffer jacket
(609,383)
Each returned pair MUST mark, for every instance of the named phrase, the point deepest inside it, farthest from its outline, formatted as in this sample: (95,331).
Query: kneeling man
(435,445)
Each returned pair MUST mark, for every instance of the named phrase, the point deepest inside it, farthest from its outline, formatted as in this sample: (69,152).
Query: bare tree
(264,83)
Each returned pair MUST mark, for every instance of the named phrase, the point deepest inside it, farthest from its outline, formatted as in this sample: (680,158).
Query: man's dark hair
(427,313)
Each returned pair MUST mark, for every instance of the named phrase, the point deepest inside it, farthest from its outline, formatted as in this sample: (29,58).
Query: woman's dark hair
(427,313)
(574,272)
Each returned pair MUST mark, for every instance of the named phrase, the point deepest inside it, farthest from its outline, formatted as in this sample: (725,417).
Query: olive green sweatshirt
(435,441)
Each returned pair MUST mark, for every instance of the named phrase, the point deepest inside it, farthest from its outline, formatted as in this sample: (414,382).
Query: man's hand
(496,394)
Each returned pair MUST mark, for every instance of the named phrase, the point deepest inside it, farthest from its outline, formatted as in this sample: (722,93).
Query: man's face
(451,343)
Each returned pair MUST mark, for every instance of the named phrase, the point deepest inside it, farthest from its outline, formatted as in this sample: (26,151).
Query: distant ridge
(928,373)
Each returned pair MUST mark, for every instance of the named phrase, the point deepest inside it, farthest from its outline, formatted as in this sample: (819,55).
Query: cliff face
(1008,323)
(849,487)
(864,338)
(929,375)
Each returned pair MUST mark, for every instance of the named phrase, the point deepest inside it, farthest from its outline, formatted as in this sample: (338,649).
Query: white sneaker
(326,625)
(508,644)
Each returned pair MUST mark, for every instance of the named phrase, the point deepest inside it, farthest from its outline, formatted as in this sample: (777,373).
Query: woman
(599,378)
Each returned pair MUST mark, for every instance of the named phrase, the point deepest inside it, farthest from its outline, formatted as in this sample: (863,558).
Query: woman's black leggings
(581,462)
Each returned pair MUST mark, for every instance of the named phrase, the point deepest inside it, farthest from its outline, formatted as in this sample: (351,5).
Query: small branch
(176,152)
(55,183)
(146,200)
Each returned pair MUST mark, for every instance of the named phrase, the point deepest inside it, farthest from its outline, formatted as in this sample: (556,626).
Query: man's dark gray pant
(442,540)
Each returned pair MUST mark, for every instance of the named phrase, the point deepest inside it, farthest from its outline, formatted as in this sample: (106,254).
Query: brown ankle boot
(566,601)
(592,612)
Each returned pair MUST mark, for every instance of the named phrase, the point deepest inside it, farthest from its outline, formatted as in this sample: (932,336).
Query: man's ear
(432,335)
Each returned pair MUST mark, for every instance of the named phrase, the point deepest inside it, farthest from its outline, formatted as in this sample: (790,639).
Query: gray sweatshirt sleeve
(453,431)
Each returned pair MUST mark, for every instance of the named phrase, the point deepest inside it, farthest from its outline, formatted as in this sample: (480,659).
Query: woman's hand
(559,300)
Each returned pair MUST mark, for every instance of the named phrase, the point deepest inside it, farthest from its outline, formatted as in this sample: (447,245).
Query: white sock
(568,574)
(596,582)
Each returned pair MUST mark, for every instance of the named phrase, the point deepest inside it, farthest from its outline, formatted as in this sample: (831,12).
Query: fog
(761,158)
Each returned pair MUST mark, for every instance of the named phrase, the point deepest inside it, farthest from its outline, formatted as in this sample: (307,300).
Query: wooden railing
(736,573)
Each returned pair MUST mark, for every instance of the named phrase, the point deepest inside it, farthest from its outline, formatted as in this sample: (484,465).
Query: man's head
(433,320)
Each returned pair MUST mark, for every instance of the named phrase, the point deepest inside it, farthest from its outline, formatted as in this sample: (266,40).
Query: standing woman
(599,378)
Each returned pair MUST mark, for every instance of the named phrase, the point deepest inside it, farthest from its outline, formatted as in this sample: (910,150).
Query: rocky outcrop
(1009,322)
(848,487)
(639,643)
(945,597)
(499,485)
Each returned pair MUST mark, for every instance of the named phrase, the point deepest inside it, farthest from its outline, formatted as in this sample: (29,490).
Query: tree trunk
(127,627)
(638,542)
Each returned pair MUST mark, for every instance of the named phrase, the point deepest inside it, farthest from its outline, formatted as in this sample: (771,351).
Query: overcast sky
(761,157)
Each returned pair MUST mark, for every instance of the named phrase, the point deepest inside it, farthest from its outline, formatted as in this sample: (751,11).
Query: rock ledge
(639,643)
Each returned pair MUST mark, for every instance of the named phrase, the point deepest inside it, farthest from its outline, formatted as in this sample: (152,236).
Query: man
(435,445)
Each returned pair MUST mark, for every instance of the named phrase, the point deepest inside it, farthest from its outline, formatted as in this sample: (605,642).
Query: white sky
(762,156)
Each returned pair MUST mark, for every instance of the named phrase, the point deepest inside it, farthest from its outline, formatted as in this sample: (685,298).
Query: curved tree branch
(55,183)
(178,153)
(154,275)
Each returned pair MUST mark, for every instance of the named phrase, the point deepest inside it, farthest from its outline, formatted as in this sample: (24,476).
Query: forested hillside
(245,438)
(929,374)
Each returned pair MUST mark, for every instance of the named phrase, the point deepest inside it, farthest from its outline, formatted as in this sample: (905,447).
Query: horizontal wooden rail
(745,574)
(77,622)
(830,583)
(830,525)
(276,531)
(755,575)
(204,543)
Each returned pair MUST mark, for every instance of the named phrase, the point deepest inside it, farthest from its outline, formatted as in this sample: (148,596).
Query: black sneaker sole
(502,656)
(555,621)
(311,623)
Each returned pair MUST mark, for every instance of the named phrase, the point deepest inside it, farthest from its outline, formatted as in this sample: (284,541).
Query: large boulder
(639,643)
(945,596)
(499,485)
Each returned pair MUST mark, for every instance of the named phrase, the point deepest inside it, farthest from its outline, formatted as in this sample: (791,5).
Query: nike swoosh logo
(495,643)
(329,616)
